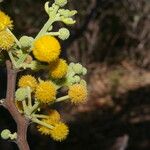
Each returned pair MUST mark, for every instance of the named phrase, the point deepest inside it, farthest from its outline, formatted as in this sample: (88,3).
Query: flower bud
(68,21)
(77,79)
(61,3)
(83,82)
(84,71)
(64,33)
(5,134)
(78,68)
(26,42)
(21,94)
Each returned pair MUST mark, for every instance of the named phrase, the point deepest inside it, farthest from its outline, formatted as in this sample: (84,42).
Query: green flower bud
(21,94)
(60,11)
(67,13)
(63,12)
(26,42)
(71,64)
(78,68)
(64,33)
(83,82)
(84,71)
(5,134)
(50,28)
(68,21)
(72,13)
(54,7)
(77,79)
(46,7)
(70,80)
(61,3)
(70,73)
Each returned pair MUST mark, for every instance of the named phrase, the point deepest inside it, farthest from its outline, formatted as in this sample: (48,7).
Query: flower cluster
(35,93)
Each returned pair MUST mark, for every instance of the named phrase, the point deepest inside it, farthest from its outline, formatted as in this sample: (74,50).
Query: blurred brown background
(111,38)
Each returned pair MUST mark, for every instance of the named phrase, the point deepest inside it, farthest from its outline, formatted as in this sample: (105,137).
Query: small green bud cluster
(61,3)
(75,71)
(52,11)
(78,69)
(66,16)
(58,14)
(67,13)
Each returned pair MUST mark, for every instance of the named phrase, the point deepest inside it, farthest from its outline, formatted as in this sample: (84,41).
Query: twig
(21,121)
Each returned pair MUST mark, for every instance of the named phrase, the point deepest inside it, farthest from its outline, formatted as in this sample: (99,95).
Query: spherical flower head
(28,81)
(6,40)
(77,93)
(46,48)
(54,116)
(5,21)
(45,130)
(58,69)
(61,3)
(59,132)
(45,92)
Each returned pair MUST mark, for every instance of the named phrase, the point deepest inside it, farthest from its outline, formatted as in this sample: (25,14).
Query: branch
(21,121)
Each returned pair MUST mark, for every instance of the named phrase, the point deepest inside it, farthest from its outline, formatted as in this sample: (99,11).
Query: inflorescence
(35,95)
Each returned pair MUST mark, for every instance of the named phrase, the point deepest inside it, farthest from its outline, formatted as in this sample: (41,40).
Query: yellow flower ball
(46,48)
(58,69)
(5,21)
(77,93)
(44,130)
(59,132)
(45,92)
(6,40)
(54,116)
(28,80)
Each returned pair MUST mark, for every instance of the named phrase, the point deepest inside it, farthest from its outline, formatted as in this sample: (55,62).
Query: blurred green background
(111,38)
